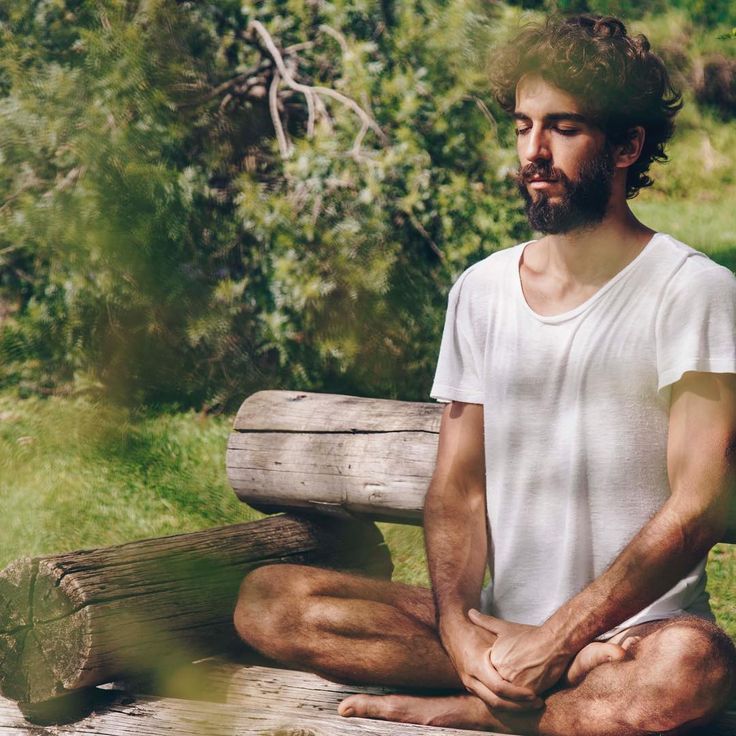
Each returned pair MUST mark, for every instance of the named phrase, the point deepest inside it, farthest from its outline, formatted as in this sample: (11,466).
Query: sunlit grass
(706,224)
(77,474)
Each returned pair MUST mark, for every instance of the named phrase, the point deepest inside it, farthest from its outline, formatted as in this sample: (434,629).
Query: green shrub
(161,248)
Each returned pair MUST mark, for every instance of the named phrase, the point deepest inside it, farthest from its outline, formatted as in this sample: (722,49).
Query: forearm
(456,541)
(661,554)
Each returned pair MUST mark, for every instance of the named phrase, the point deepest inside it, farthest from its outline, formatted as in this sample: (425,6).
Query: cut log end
(41,649)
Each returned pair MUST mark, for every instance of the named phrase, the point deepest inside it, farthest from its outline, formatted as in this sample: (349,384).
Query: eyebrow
(556,117)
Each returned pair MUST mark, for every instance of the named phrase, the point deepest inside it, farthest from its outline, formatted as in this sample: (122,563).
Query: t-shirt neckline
(570,314)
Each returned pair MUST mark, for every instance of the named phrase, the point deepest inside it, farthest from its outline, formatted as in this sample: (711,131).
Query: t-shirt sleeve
(458,374)
(696,323)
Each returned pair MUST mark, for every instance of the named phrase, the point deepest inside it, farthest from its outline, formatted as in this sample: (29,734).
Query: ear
(625,154)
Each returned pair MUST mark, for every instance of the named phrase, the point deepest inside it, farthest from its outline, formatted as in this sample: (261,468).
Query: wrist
(452,623)
(566,636)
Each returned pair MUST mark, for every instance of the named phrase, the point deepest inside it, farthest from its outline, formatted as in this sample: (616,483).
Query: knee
(689,675)
(267,601)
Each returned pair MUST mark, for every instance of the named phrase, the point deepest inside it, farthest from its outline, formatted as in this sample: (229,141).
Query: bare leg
(344,627)
(678,675)
(358,630)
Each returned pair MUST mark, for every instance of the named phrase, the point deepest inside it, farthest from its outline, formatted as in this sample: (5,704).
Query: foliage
(710,13)
(155,244)
(158,245)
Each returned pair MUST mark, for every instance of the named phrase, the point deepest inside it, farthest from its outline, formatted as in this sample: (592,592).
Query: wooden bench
(138,638)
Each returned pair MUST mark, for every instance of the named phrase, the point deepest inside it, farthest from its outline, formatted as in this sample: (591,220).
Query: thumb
(489,623)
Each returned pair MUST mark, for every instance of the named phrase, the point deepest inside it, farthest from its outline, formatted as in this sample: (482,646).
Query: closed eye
(567,131)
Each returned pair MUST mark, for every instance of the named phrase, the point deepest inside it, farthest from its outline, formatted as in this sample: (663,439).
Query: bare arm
(702,428)
(455,532)
(454,515)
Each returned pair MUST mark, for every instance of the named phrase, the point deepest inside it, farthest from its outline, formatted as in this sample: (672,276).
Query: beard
(584,201)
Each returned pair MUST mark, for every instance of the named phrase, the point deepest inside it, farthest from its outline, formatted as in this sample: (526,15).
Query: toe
(629,642)
(347,706)
(592,656)
(364,706)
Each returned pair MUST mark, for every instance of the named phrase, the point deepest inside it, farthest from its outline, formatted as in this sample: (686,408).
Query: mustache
(542,170)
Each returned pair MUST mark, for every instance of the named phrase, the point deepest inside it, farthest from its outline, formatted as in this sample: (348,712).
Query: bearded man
(584,454)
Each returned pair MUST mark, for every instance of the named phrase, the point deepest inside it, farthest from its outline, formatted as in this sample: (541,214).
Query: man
(584,452)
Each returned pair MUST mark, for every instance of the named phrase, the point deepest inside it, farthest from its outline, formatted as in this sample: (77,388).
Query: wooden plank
(260,700)
(241,684)
(129,715)
(282,691)
(79,619)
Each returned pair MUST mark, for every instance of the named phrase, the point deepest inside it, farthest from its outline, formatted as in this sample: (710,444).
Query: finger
(497,702)
(489,623)
(491,678)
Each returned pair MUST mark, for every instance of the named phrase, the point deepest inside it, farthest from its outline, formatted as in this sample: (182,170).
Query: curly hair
(620,83)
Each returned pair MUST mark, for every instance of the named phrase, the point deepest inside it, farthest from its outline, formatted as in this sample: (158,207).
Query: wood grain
(380,476)
(79,619)
(340,455)
(130,715)
(302,411)
(259,700)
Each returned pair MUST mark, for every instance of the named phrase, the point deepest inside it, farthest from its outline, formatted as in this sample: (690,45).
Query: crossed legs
(663,677)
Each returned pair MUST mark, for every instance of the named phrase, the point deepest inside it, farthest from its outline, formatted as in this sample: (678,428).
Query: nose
(535,146)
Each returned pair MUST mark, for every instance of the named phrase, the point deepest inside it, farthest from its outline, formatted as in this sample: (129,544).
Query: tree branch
(312,93)
(273,106)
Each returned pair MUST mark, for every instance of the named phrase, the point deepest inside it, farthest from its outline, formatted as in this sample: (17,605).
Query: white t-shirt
(576,415)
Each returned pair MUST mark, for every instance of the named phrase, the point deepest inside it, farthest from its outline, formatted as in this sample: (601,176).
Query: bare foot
(589,657)
(452,711)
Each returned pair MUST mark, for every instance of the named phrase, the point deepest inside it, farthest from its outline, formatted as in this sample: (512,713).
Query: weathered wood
(132,715)
(295,411)
(340,455)
(260,700)
(79,619)
(382,476)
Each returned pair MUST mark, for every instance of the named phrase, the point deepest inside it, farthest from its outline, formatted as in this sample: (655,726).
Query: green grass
(77,474)
(706,225)
(694,191)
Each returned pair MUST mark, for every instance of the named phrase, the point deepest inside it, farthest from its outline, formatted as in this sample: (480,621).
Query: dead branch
(312,93)
(273,105)
(330,31)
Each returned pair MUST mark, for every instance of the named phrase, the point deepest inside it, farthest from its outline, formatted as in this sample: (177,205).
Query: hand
(523,655)
(469,648)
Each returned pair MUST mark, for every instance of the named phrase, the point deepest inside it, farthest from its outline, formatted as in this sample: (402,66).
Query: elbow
(698,533)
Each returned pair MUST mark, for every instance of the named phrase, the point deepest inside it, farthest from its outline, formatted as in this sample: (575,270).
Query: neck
(594,254)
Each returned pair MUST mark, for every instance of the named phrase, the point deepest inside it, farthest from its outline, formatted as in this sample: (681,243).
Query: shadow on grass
(726,258)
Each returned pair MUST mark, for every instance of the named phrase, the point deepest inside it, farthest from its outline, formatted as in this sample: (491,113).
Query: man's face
(566,169)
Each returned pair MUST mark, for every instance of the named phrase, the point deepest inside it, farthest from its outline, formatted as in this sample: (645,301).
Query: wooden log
(74,620)
(340,455)
(274,689)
